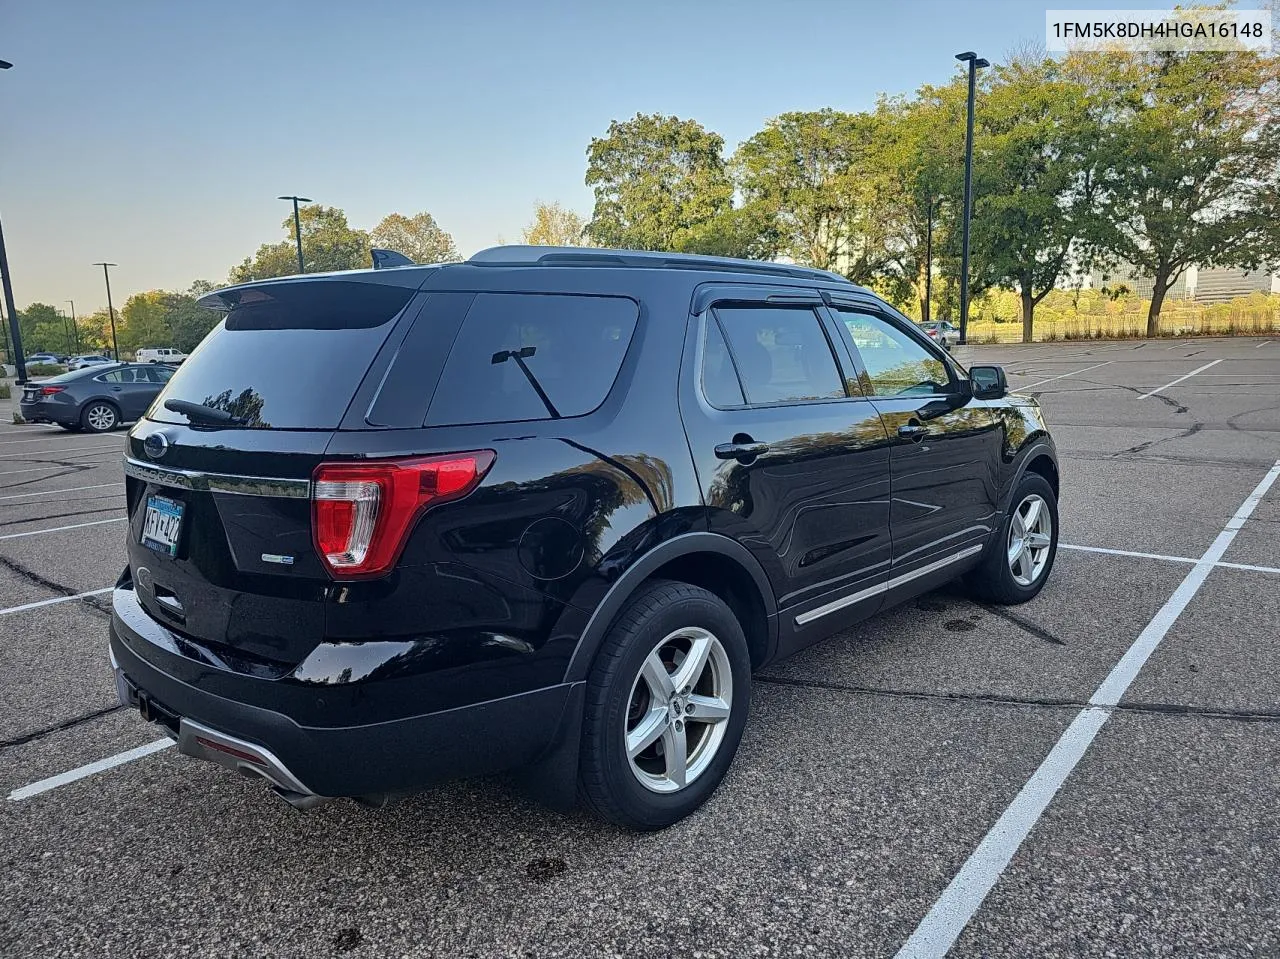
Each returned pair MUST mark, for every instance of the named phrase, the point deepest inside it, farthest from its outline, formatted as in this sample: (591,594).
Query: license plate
(162,524)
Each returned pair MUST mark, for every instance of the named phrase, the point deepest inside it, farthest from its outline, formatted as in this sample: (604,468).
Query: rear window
(288,356)
(525,356)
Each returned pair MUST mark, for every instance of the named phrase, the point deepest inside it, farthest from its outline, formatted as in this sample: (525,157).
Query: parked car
(94,399)
(164,355)
(550,510)
(87,360)
(47,359)
(942,332)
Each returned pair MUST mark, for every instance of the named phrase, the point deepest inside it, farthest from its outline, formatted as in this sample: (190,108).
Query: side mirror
(989,382)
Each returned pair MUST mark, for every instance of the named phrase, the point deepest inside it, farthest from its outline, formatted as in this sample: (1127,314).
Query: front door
(946,447)
(793,461)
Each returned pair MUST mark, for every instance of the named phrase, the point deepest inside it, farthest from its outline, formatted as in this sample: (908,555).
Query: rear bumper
(376,758)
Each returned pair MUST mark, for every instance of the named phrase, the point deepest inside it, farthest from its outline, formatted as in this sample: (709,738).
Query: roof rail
(518,255)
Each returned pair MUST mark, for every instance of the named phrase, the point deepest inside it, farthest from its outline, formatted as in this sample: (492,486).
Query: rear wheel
(667,701)
(100,417)
(1019,563)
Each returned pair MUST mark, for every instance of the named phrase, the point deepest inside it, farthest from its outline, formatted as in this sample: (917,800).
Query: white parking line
(965,894)
(81,772)
(33,469)
(1167,559)
(1063,376)
(59,529)
(1187,376)
(53,602)
(1262,344)
(69,489)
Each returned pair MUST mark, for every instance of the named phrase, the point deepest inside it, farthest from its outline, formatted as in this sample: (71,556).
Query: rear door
(946,447)
(792,459)
(220,539)
(129,389)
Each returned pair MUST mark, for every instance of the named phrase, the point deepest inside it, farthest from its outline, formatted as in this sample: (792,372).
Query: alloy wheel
(1030,539)
(678,710)
(101,417)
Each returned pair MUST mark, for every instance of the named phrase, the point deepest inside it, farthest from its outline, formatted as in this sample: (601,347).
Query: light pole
(975,63)
(15,331)
(75,329)
(115,346)
(297,226)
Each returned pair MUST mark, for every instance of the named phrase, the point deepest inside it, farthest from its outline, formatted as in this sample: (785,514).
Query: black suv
(546,510)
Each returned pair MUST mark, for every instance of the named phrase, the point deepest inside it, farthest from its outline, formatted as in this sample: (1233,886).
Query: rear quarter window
(521,356)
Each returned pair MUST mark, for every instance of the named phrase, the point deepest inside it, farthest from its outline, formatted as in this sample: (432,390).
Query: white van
(163,355)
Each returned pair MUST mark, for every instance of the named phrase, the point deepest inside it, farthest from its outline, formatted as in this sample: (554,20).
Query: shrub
(4,391)
(45,369)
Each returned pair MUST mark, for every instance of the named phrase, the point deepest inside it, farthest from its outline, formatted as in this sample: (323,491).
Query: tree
(809,171)
(328,243)
(44,329)
(749,232)
(919,151)
(1037,184)
(655,178)
(143,322)
(553,225)
(418,237)
(1192,154)
(188,322)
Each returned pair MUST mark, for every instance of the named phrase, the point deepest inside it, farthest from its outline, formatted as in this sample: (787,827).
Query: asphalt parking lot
(877,767)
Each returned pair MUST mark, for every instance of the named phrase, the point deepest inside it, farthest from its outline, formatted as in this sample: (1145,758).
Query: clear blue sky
(158,134)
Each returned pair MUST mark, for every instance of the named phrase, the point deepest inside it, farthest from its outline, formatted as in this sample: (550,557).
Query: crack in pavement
(1192,430)
(997,699)
(40,519)
(52,585)
(61,727)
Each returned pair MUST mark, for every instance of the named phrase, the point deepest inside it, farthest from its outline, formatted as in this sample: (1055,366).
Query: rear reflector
(362,512)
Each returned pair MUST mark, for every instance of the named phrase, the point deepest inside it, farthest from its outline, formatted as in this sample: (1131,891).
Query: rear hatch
(219,489)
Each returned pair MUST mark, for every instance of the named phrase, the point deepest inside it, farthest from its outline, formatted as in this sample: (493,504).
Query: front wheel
(1019,562)
(667,700)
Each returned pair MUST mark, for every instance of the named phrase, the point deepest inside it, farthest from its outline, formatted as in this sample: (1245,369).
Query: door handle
(115,389)
(913,431)
(740,451)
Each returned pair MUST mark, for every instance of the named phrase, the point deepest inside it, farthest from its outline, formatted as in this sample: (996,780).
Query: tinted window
(896,363)
(719,380)
(125,375)
(513,344)
(781,355)
(159,374)
(289,355)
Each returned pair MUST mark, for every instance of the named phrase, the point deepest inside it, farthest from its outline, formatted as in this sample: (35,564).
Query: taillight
(362,512)
(50,390)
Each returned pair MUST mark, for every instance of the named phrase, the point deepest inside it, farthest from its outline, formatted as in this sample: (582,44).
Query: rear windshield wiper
(205,414)
(519,356)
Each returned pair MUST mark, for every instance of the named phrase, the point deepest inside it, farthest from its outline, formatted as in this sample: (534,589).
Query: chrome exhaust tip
(302,801)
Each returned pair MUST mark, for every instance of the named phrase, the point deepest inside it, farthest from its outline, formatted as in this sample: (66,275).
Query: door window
(781,355)
(896,363)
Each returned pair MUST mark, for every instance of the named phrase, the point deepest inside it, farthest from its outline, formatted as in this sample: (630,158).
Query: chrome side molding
(218,482)
(865,594)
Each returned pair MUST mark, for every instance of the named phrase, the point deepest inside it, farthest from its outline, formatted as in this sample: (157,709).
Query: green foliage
(553,225)
(1192,154)
(418,237)
(748,232)
(328,243)
(812,173)
(45,330)
(655,178)
(45,369)
(142,322)
(1038,186)
(4,391)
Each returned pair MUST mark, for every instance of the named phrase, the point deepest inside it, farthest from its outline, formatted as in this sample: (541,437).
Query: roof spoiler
(386,259)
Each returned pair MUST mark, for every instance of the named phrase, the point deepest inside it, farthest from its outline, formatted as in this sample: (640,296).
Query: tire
(100,417)
(663,623)
(995,579)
